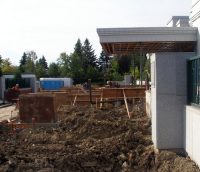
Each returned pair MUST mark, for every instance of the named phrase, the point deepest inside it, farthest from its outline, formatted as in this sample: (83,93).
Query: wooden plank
(75,100)
(125,100)
(101,104)
(118,92)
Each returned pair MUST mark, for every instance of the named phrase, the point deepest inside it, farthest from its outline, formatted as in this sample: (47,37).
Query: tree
(40,71)
(135,73)
(27,62)
(103,64)
(53,70)
(64,64)
(77,70)
(22,63)
(7,67)
(89,61)
(89,55)
(17,75)
(29,66)
(41,67)
(32,55)
(78,49)
(115,75)
(0,66)
(103,61)
(43,62)
(124,64)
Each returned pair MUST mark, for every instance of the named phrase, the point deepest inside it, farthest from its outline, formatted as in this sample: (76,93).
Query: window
(194,80)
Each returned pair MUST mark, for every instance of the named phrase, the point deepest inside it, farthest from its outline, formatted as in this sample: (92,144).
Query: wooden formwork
(119,92)
(42,106)
(113,94)
(38,106)
(84,99)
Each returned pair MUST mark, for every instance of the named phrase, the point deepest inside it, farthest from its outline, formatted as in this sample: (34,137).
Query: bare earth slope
(89,140)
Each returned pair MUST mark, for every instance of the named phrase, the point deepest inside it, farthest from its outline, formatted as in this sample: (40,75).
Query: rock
(125,165)
(89,164)
(122,157)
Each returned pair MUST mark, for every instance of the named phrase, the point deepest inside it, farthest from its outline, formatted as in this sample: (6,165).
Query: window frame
(193,80)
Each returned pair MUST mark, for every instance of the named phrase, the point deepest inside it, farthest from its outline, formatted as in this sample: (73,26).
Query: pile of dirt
(89,139)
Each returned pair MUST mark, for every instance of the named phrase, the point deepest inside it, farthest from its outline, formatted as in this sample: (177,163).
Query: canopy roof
(148,39)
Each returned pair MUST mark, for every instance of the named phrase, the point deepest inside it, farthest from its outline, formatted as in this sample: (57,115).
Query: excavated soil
(89,139)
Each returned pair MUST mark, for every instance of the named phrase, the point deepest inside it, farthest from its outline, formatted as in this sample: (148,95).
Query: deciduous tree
(64,62)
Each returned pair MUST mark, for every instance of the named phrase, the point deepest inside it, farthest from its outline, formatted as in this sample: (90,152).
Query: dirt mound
(88,139)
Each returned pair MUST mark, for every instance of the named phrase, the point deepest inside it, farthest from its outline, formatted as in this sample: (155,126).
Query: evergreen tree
(27,62)
(53,70)
(103,61)
(43,62)
(90,61)
(22,63)
(77,70)
(89,55)
(41,67)
(78,49)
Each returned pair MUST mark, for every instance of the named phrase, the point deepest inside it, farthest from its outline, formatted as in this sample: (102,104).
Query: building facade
(192,109)
(174,98)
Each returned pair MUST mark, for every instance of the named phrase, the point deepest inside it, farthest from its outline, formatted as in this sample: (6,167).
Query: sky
(50,27)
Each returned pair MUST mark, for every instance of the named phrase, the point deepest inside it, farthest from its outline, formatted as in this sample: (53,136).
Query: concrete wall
(192,133)
(153,99)
(148,103)
(195,20)
(169,89)
(32,78)
(192,113)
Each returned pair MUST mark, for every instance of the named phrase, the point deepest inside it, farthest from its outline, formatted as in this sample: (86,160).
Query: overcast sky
(50,27)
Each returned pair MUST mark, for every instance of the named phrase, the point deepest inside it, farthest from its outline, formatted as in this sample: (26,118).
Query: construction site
(73,129)
(147,126)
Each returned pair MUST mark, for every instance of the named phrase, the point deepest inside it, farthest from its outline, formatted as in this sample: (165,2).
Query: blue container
(51,85)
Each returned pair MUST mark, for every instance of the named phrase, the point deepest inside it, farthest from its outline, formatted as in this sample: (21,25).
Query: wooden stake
(75,100)
(125,100)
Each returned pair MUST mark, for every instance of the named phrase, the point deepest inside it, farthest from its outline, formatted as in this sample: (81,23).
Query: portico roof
(148,39)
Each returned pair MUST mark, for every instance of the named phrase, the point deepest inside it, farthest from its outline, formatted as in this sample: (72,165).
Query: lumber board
(127,109)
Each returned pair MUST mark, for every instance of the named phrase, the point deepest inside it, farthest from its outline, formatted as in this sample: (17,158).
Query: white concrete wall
(153,100)
(195,20)
(192,133)
(168,99)
(148,103)
(32,78)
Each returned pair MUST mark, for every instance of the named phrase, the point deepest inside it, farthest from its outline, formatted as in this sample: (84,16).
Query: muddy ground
(89,139)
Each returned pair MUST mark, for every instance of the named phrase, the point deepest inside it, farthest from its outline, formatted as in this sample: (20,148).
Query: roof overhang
(148,39)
